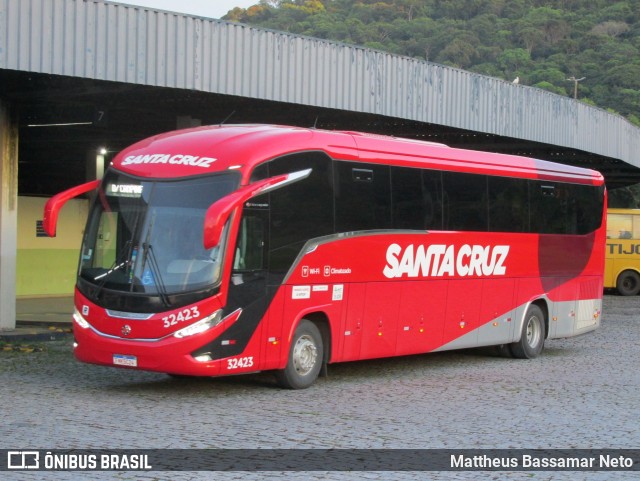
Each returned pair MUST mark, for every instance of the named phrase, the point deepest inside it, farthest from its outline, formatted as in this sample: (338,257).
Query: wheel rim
(534,332)
(305,355)
(629,283)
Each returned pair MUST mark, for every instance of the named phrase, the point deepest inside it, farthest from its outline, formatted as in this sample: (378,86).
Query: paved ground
(55,310)
(40,319)
(582,393)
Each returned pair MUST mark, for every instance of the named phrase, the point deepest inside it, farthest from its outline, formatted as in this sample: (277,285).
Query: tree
(550,87)
(514,59)
(531,37)
(460,52)
(610,28)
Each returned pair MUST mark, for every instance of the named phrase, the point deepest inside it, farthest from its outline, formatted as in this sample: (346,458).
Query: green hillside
(543,43)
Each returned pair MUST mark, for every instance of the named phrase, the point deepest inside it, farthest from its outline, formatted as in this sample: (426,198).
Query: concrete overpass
(79,75)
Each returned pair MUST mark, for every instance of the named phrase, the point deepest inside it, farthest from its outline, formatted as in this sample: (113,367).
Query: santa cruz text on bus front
(177,159)
(438,260)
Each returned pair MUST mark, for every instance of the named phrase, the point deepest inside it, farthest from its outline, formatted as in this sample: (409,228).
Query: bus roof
(210,149)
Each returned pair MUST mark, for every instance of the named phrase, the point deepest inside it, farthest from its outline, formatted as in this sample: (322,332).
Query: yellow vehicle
(622,255)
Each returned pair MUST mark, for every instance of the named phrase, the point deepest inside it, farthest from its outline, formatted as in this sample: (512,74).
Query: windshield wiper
(155,271)
(112,269)
(118,263)
(124,259)
(147,250)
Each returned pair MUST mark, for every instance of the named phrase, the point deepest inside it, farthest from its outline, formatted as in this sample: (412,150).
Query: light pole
(575,84)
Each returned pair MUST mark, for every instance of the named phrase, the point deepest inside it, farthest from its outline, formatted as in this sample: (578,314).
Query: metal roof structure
(113,42)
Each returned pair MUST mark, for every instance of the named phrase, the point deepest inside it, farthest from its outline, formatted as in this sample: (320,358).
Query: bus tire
(628,283)
(305,358)
(531,341)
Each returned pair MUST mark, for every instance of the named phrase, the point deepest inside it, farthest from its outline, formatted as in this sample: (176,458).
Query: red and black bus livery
(231,249)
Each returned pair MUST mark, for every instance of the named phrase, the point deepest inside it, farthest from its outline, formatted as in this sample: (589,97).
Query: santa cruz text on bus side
(438,260)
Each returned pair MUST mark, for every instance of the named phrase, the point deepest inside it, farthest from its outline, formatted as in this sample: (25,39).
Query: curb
(35,334)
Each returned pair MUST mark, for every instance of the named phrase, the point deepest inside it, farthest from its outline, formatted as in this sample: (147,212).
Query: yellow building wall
(47,266)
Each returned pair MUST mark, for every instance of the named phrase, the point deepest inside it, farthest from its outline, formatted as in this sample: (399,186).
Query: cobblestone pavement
(583,392)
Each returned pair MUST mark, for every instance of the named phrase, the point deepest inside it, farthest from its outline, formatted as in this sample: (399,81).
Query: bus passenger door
(248,284)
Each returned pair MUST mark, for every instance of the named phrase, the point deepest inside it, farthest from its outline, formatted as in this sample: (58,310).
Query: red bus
(232,249)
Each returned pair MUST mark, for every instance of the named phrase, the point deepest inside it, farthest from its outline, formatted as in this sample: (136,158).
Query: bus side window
(249,252)
(548,212)
(416,199)
(466,201)
(508,204)
(620,226)
(299,211)
(407,199)
(363,197)
(636,227)
(589,202)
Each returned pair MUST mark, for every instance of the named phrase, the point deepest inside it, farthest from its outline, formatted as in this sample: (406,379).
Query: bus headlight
(81,321)
(200,326)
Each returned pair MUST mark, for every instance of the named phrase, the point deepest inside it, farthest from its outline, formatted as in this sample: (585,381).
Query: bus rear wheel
(531,341)
(628,283)
(305,358)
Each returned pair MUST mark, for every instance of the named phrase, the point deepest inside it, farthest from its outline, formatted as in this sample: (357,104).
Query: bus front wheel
(532,337)
(305,358)
(628,283)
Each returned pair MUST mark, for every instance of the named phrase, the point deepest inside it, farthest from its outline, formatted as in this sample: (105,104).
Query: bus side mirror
(54,205)
(218,213)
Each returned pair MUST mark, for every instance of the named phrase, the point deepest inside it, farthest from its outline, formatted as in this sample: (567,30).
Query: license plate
(124,360)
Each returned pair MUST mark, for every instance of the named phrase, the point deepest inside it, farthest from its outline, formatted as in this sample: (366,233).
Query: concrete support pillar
(95,164)
(8,216)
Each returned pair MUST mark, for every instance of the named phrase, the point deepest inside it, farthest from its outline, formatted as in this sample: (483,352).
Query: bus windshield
(146,237)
